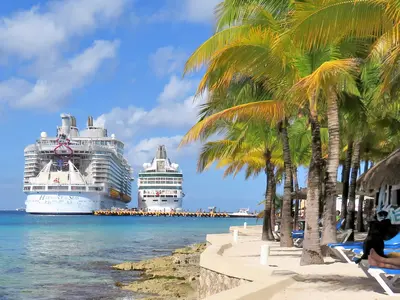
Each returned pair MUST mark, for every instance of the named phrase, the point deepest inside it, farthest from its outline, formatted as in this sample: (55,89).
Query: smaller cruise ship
(160,184)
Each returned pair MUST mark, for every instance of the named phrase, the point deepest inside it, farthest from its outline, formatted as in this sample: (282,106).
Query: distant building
(339,201)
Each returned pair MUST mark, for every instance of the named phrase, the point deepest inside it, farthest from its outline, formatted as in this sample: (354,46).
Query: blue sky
(120,61)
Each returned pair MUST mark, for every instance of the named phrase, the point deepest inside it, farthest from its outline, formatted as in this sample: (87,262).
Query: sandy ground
(333,280)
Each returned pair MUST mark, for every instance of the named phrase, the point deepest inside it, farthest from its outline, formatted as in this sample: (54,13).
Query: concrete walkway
(283,277)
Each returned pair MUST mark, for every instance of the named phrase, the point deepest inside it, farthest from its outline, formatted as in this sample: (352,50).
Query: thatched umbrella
(386,172)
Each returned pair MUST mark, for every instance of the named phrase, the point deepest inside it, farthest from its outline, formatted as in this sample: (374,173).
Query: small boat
(20,209)
(242,213)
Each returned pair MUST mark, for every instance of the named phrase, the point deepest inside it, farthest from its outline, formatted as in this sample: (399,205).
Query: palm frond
(268,110)
(204,53)
(317,23)
(337,74)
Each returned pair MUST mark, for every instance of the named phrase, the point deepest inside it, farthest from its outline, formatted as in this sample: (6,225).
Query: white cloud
(52,89)
(175,89)
(167,60)
(145,150)
(40,32)
(38,41)
(200,10)
(176,109)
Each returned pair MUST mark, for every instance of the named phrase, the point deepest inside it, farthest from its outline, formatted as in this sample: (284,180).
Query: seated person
(392,262)
(337,216)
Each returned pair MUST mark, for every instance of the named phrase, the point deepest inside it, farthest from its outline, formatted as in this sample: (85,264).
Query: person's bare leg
(382,262)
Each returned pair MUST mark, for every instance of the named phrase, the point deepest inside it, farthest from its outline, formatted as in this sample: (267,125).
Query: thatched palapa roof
(386,172)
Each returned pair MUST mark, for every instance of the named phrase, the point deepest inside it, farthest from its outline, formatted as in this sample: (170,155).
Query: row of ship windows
(163,200)
(113,182)
(160,179)
(63,187)
(160,182)
(167,171)
(86,142)
(160,187)
(109,162)
(120,177)
(105,169)
(168,196)
(96,160)
(111,178)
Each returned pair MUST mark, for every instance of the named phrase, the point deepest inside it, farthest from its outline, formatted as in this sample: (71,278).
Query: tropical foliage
(300,83)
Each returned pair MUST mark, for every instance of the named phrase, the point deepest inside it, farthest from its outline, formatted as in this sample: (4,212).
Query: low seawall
(224,276)
(212,282)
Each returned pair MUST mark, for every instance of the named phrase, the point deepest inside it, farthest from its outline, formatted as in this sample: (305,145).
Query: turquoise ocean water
(70,257)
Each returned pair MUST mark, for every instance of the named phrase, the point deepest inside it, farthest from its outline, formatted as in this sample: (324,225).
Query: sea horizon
(70,256)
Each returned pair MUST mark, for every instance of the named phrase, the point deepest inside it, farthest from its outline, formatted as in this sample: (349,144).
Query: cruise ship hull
(161,204)
(69,203)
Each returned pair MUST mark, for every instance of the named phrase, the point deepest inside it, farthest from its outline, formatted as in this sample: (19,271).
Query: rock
(168,277)
(126,266)
(154,263)
(165,287)
(177,260)
(196,248)
(118,284)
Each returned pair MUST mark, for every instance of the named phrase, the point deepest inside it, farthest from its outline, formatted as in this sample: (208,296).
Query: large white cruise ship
(75,173)
(160,184)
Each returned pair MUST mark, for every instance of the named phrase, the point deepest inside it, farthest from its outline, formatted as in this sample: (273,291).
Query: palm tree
(355,164)
(360,210)
(246,49)
(259,149)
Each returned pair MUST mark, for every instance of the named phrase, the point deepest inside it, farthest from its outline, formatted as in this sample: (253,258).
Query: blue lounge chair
(298,235)
(387,278)
(341,249)
(387,283)
(386,251)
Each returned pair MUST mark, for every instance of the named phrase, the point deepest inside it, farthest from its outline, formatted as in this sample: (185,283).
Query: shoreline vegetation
(302,84)
(175,276)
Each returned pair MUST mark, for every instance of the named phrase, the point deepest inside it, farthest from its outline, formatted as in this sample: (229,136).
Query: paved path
(333,280)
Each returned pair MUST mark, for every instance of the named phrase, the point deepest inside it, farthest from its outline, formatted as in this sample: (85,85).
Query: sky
(120,61)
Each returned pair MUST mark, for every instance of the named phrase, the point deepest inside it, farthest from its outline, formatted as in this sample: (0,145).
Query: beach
(232,271)
(226,270)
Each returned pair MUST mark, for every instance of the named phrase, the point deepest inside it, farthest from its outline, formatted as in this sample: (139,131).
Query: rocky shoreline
(169,277)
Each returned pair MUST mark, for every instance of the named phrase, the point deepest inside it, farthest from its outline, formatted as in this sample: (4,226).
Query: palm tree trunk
(369,206)
(345,180)
(329,214)
(322,192)
(296,201)
(273,206)
(269,170)
(360,219)
(355,164)
(311,253)
(286,211)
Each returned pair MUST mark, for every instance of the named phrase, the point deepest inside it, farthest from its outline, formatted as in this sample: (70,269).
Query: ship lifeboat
(114,194)
(126,198)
